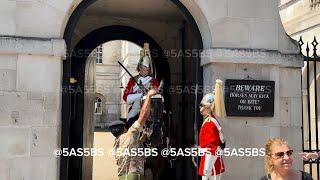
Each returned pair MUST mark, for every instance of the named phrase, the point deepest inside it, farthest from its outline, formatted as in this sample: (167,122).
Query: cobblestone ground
(104,168)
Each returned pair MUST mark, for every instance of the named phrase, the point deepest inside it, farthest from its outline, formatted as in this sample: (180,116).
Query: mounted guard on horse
(153,134)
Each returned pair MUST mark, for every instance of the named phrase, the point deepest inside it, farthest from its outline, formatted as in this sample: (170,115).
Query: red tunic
(209,138)
(129,89)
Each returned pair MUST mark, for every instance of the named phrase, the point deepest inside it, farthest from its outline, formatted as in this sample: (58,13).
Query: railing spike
(301,43)
(307,49)
(314,44)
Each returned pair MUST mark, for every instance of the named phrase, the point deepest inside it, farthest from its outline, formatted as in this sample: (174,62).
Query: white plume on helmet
(215,100)
(145,58)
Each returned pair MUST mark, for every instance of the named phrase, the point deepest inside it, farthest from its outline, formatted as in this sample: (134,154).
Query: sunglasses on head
(281,154)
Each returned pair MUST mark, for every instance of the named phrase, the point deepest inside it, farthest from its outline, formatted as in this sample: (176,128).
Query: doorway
(172,34)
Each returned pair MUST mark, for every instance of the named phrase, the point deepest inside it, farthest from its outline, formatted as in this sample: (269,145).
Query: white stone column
(30,107)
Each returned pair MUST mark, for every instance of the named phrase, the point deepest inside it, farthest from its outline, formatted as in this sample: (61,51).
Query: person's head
(144,70)
(278,156)
(117,128)
(207,104)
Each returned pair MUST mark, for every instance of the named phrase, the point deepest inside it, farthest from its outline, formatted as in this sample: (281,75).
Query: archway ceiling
(102,12)
(150,9)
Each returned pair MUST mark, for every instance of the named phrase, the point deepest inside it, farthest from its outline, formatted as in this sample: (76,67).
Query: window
(314,3)
(98,106)
(99,54)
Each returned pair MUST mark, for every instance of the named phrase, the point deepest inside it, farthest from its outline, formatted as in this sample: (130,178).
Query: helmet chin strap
(207,114)
(143,75)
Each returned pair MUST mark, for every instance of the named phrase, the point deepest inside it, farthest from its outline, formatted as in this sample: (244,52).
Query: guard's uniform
(133,94)
(211,137)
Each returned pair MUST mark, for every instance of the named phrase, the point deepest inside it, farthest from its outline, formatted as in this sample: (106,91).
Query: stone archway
(78,127)
(190,75)
(32,37)
(190,8)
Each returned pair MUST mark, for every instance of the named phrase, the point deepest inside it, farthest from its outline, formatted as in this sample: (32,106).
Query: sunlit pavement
(104,168)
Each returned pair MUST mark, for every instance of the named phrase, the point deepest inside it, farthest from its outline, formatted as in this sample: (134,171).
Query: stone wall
(300,19)
(30,107)
(31,72)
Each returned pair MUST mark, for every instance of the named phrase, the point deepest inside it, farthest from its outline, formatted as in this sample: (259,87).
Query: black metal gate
(310,76)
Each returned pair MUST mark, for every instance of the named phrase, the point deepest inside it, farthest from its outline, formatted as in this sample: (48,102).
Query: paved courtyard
(104,168)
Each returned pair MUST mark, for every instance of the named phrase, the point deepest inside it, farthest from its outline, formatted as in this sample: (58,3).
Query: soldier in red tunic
(133,92)
(211,137)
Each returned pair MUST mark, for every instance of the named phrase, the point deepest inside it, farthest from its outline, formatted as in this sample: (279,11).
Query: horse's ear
(160,88)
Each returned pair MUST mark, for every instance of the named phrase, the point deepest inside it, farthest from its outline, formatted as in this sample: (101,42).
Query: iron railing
(310,116)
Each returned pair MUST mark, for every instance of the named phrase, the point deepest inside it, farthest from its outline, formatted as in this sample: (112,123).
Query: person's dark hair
(132,120)
(117,130)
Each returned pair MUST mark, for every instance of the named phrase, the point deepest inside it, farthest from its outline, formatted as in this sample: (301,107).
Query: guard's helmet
(145,58)
(215,100)
(117,127)
(207,100)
